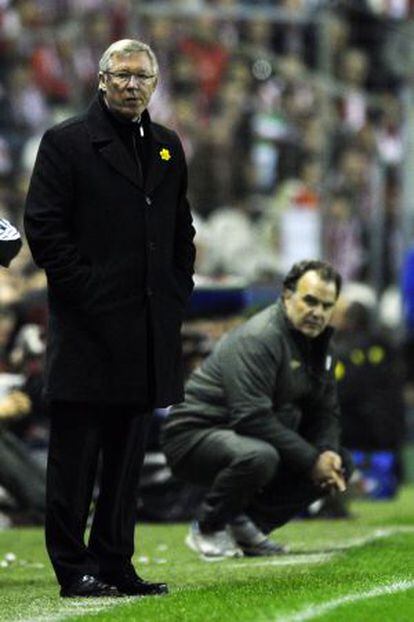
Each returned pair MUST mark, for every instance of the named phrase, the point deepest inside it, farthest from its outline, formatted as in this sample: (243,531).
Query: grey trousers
(246,475)
(22,476)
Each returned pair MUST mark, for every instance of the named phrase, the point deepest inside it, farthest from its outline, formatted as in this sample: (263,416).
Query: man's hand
(15,404)
(328,473)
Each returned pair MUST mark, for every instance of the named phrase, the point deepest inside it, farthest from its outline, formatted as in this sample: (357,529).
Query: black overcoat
(118,255)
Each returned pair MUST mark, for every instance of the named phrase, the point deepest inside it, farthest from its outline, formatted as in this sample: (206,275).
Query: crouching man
(259,426)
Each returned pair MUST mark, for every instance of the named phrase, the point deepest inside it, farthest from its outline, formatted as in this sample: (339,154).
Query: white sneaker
(218,544)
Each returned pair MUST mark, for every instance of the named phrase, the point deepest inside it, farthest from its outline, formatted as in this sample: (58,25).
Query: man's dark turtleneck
(138,146)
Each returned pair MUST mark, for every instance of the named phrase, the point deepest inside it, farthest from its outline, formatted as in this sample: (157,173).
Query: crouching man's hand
(328,473)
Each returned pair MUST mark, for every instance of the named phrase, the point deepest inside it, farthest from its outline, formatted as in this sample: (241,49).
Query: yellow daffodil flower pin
(165,154)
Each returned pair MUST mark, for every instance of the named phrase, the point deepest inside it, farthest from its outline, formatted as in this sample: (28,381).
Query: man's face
(128,84)
(311,305)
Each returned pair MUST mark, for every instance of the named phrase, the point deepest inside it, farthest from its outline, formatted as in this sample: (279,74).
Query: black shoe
(130,584)
(252,541)
(265,548)
(88,586)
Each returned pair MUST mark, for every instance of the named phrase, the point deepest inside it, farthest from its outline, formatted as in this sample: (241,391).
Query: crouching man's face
(310,306)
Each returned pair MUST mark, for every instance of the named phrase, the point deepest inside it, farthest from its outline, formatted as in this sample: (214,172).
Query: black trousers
(81,434)
(245,475)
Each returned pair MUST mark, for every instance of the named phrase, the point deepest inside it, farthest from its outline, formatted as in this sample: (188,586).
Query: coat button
(148,200)
(150,292)
(152,246)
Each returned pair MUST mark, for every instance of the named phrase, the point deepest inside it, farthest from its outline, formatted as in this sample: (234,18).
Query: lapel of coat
(109,144)
(161,155)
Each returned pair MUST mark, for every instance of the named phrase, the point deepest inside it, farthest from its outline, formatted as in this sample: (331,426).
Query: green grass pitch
(355,571)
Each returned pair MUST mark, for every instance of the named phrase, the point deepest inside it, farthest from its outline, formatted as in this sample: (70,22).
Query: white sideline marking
(78,608)
(384,532)
(315,611)
(312,558)
(318,558)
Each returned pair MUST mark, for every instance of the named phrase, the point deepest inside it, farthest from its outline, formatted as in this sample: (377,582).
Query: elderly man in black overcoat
(108,220)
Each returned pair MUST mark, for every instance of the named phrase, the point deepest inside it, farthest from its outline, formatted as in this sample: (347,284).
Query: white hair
(127,46)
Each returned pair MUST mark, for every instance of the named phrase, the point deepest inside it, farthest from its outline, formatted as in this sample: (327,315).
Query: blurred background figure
(370,376)
(371,379)
(22,479)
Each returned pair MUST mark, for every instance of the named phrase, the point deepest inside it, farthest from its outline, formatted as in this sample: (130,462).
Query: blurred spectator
(353,71)
(343,235)
(218,167)
(207,54)
(30,110)
(232,246)
(295,193)
(10,33)
(48,64)
(338,35)
(22,479)
(387,131)
(370,384)
(20,475)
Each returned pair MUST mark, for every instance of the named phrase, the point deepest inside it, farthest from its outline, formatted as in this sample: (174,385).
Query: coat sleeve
(184,249)
(49,204)
(250,373)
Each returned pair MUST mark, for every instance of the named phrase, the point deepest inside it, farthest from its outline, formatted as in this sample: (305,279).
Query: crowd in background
(272,124)
(264,128)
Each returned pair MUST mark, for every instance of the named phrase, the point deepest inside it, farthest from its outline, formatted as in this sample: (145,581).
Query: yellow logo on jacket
(294,364)
(165,154)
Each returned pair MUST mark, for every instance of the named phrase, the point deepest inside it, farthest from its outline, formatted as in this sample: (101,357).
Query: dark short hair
(325,271)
